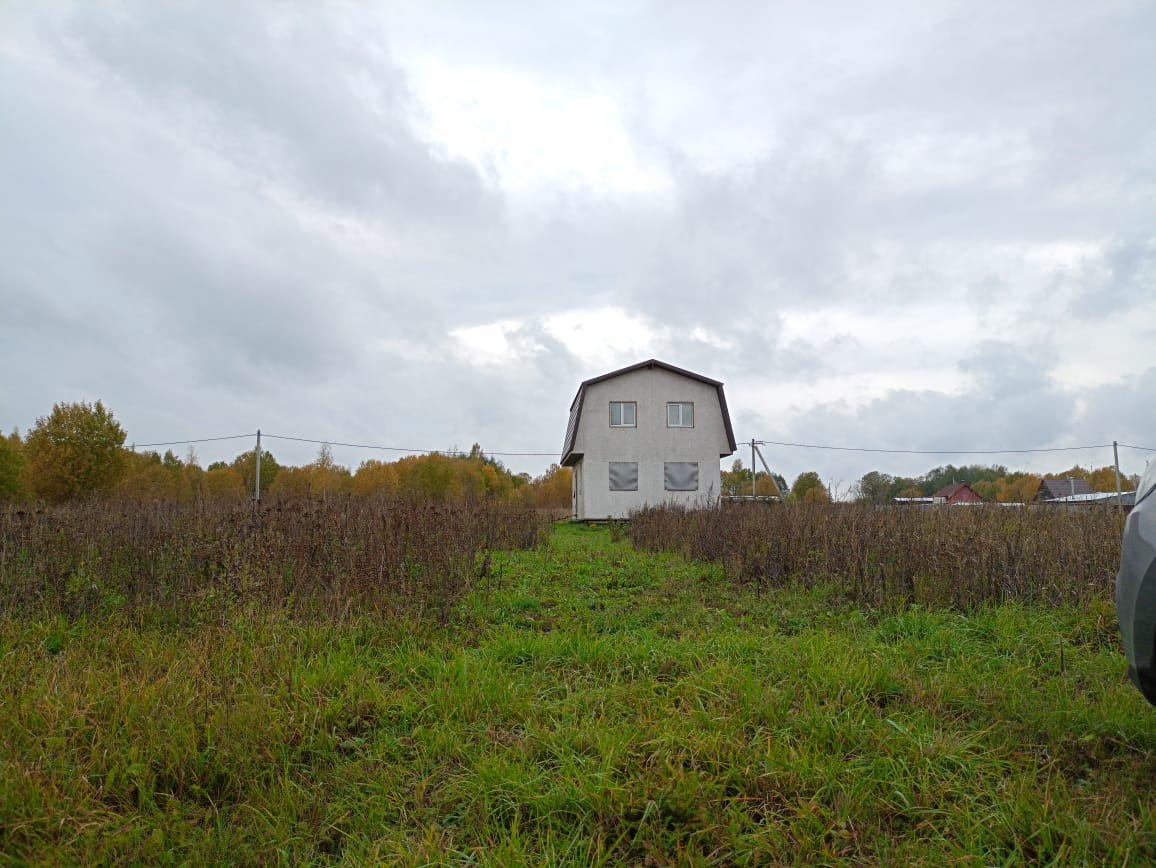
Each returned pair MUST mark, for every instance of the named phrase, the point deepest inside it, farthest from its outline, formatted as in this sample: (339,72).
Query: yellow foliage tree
(224,483)
(987,489)
(11,467)
(150,477)
(809,488)
(551,490)
(375,477)
(1104,479)
(291,482)
(75,452)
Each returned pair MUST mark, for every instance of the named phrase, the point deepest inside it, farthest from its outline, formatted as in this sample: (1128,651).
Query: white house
(646,434)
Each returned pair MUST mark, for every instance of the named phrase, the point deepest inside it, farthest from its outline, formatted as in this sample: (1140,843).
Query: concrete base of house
(598,522)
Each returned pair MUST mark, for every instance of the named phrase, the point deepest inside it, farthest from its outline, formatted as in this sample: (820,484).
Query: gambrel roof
(569,459)
(949,492)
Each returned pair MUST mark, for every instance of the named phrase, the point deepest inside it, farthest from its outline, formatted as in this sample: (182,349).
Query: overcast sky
(923,225)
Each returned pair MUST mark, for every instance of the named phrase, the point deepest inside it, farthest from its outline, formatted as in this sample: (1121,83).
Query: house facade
(646,434)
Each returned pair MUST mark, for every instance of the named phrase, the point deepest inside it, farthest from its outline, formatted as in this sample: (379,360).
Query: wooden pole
(257,455)
(1116,458)
(770,475)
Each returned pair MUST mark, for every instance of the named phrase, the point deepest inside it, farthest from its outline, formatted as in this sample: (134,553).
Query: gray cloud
(221,216)
(1118,280)
(280,91)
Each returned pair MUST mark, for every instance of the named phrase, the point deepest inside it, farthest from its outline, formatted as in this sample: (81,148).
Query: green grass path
(591,705)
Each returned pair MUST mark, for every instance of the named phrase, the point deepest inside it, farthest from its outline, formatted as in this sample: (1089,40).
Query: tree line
(994,483)
(78,452)
(807,488)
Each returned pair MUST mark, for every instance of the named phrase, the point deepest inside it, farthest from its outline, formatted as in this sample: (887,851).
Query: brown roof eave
(726,414)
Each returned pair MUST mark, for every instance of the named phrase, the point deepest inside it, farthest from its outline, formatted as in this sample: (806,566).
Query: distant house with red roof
(956,493)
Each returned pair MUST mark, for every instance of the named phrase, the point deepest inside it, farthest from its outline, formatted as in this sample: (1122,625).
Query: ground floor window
(624,476)
(680,475)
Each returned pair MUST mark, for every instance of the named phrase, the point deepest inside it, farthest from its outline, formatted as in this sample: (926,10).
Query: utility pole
(754,485)
(770,476)
(1116,458)
(257,455)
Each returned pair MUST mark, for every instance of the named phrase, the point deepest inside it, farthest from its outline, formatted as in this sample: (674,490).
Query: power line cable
(1139,448)
(403,448)
(199,440)
(935,451)
(782,443)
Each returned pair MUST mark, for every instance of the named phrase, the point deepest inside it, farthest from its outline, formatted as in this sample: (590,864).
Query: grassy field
(586,704)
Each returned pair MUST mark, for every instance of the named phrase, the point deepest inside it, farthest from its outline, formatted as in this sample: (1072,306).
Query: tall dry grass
(887,556)
(196,563)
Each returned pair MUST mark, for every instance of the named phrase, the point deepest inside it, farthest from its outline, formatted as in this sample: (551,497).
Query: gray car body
(1136,587)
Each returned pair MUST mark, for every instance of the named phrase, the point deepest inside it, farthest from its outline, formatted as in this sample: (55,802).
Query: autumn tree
(75,452)
(375,477)
(326,476)
(737,480)
(149,476)
(223,482)
(552,488)
(1018,488)
(11,467)
(426,477)
(733,480)
(246,465)
(987,489)
(938,477)
(292,482)
(809,488)
(875,487)
(1076,471)
(906,486)
(195,475)
(1104,479)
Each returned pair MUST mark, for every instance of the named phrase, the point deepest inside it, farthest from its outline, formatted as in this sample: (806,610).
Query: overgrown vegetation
(211,562)
(588,704)
(895,557)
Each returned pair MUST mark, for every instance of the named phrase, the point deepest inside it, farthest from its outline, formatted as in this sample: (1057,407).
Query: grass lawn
(589,704)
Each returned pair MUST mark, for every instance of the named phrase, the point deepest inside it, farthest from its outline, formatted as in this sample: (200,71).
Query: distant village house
(1058,489)
(956,494)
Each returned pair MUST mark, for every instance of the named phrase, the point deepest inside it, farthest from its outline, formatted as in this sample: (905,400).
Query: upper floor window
(680,414)
(623,414)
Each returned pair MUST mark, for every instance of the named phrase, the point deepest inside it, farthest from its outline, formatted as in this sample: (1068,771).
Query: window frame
(666,475)
(681,405)
(633,404)
(610,474)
